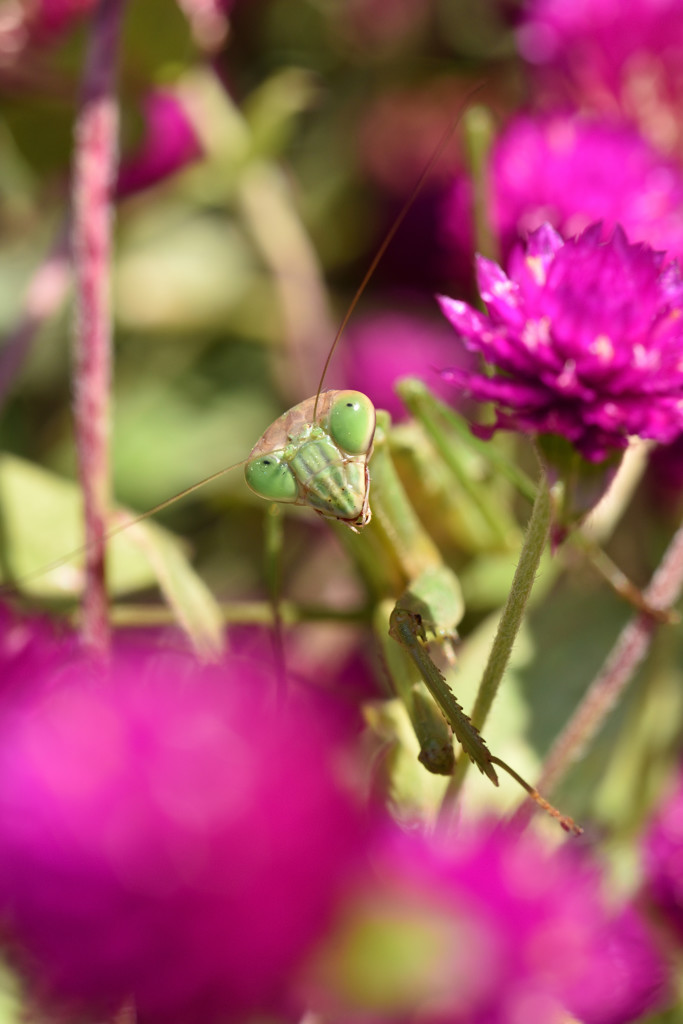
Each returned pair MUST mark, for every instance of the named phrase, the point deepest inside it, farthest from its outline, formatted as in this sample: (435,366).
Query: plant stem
(480,131)
(424,408)
(412,390)
(627,654)
(95,161)
(242,612)
(510,621)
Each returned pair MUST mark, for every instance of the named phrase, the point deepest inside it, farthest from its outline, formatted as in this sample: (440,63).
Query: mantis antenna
(389,237)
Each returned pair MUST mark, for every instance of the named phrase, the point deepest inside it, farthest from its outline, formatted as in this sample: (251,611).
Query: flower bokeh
(605,56)
(492,928)
(167,836)
(663,858)
(586,340)
(570,172)
(170,143)
(384,347)
(42,22)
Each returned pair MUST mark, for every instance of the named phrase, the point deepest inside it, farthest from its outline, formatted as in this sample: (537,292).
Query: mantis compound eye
(351,422)
(271,478)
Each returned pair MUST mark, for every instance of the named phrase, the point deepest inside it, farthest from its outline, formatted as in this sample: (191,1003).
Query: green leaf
(191,600)
(41,551)
(41,536)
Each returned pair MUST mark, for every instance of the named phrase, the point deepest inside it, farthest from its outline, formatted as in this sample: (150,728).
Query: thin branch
(95,162)
(627,654)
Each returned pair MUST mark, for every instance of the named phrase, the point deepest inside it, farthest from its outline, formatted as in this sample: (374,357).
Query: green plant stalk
(422,405)
(418,392)
(511,619)
(240,612)
(480,131)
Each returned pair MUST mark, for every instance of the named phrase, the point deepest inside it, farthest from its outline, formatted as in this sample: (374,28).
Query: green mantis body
(317,454)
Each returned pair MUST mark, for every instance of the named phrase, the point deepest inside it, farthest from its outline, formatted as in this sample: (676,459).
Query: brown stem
(627,654)
(95,161)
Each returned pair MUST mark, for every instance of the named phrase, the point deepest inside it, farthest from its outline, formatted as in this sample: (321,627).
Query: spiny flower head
(571,171)
(168,838)
(585,338)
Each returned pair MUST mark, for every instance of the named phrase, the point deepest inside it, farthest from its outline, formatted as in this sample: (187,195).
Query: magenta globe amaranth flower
(584,338)
(571,172)
(29,645)
(486,927)
(43,22)
(663,859)
(170,143)
(168,838)
(607,56)
(665,475)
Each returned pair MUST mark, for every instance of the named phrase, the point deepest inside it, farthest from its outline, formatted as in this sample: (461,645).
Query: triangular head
(317,454)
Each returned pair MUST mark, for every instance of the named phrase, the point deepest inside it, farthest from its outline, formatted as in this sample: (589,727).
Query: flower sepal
(576,484)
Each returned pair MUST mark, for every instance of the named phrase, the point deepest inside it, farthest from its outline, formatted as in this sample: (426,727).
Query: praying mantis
(317,454)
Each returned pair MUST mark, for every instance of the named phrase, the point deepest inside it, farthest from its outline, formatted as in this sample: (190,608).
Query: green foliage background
(228,283)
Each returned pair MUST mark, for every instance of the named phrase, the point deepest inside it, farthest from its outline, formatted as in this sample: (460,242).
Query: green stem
(424,408)
(511,618)
(479,134)
(242,612)
(416,391)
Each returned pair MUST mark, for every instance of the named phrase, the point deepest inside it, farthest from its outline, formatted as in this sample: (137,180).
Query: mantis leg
(407,628)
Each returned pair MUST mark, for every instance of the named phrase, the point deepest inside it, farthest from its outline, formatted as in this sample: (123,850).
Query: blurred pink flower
(570,172)
(607,56)
(169,144)
(512,931)
(51,17)
(663,856)
(585,338)
(167,837)
(397,138)
(41,22)
(29,645)
(383,347)
(665,474)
